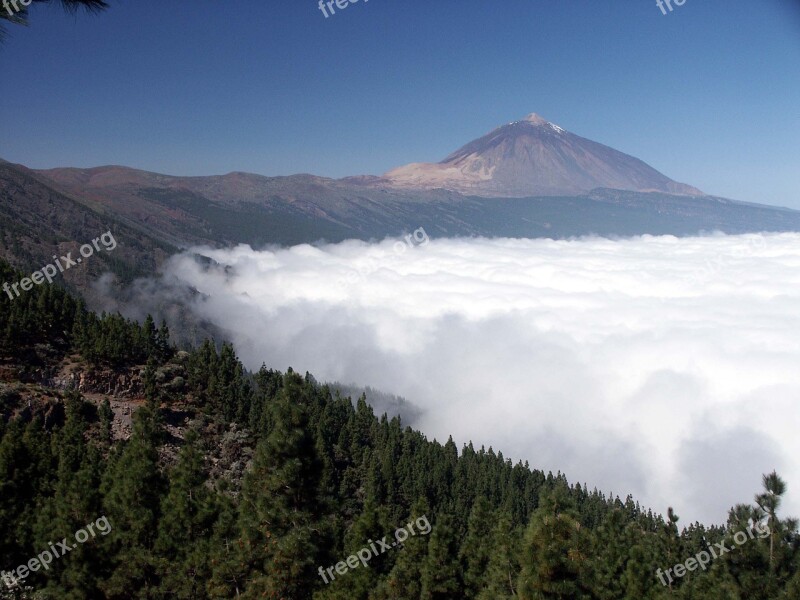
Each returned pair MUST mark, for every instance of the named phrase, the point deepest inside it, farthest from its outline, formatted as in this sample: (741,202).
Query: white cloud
(663,367)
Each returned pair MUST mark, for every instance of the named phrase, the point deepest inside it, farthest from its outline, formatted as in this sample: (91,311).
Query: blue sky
(709,94)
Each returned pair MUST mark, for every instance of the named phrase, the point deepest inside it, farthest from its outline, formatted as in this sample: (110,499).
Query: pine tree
(404,581)
(162,346)
(188,513)
(503,569)
(27,475)
(769,501)
(279,504)
(610,555)
(555,550)
(227,559)
(749,565)
(671,541)
(132,488)
(476,549)
(357,583)
(639,578)
(75,503)
(440,577)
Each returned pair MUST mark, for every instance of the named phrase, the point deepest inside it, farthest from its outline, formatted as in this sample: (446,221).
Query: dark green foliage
(48,315)
(279,507)
(76,502)
(405,578)
(327,478)
(113,340)
(503,570)
(132,489)
(45,314)
(555,550)
(441,575)
(476,550)
(188,514)
(359,583)
(227,563)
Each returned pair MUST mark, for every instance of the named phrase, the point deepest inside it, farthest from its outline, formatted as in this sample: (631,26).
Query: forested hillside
(229,484)
(35,219)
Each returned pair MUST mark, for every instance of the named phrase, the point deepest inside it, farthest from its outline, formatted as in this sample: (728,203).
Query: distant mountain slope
(533,157)
(253,209)
(37,221)
(245,208)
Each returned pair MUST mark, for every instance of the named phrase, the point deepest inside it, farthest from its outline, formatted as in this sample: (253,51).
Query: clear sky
(709,94)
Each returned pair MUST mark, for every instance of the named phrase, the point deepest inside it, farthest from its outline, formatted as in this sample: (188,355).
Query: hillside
(36,222)
(206,481)
(257,210)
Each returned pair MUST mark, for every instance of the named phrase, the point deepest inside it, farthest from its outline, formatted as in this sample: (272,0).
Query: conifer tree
(639,578)
(749,565)
(357,583)
(188,513)
(27,475)
(670,537)
(503,569)
(132,488)
(476,549)
(441,575)
(279,503)
(227,560)
(405,579)
(610,555)
(769,501)
(19,483)
(75,503)
(555,551)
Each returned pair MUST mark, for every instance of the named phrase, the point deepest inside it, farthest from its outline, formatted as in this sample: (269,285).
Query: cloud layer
(657,366)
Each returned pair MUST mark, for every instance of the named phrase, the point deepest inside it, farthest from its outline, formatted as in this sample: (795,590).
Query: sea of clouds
(663,367)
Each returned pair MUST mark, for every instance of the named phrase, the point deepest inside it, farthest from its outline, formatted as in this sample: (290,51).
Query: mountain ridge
(289,210)
(528,178)
(534,157)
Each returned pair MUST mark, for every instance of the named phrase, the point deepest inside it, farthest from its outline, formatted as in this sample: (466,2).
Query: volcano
(534,157)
